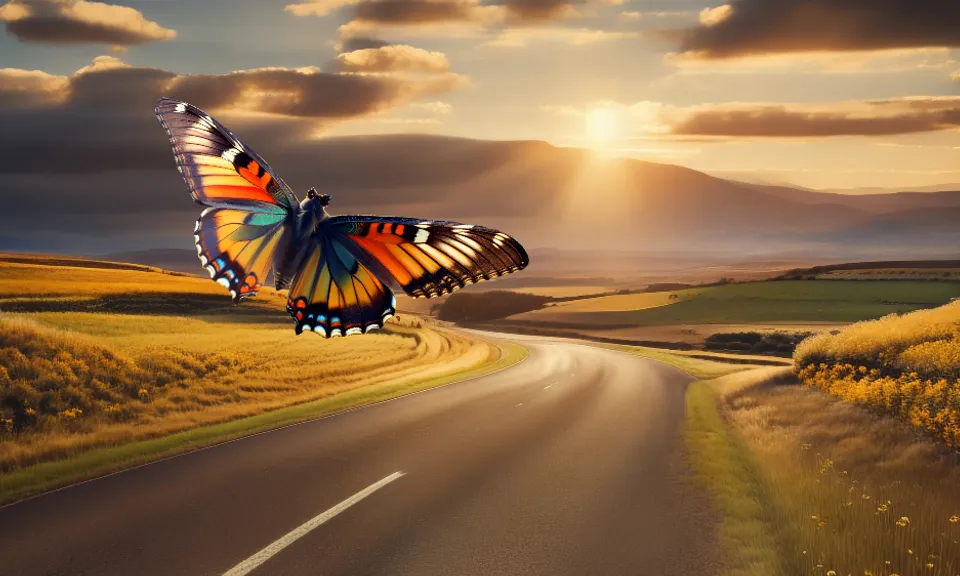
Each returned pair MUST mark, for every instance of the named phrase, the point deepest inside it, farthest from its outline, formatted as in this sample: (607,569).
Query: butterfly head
(315,202)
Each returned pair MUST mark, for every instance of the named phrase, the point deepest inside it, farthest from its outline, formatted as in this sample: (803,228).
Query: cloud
(394,58)
(101,117)
(868,62)
(785,120)
(321,8)
(750,27)
(518,37)
(460,17)
(79,22)
(360,43)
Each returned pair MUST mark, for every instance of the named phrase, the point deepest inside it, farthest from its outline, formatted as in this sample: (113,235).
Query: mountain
(875,203)
(549,197)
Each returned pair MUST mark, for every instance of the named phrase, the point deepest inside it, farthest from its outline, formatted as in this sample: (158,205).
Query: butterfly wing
(219,169)
(250,210)
(237,247)
(430,258)
(334,294)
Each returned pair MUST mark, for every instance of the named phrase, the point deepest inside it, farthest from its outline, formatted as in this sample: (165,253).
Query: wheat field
(96,357)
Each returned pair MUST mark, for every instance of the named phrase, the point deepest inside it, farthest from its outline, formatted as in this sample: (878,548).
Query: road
(567,463)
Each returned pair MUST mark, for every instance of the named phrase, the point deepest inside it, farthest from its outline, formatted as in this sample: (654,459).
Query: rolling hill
(548,197)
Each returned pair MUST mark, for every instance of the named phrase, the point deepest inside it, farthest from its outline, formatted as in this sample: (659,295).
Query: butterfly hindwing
(237,247)
(334,294)
(219,169)
(432,258)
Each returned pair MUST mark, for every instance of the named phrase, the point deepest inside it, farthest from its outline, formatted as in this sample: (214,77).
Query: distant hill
(174,259)
(576,209)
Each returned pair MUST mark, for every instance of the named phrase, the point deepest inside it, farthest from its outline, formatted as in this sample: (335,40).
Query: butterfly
(339,271)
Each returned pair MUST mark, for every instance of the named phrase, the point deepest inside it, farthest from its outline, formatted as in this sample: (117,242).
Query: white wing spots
(421,237)
(463,227)
(225,283)
(500,238)
(233,294)
(354,330)
(180,108)
(371,328)
(196,228)
(206,122)
(424,224)
(230,153)
(387,316)
(203,260)
(211,270)
(196,239)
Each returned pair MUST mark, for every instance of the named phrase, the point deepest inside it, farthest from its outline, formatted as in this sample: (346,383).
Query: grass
(698,367)
(809,484)
(105,366)
(907,366)
(725,467)
(46,476)
(755,302)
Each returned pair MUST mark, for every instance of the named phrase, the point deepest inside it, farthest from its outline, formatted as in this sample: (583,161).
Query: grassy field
(810,484)
(758,302)
(98,358)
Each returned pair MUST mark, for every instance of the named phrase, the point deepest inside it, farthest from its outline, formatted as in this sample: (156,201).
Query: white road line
(251,563)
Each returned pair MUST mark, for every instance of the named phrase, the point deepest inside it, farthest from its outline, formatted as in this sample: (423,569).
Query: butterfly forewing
(431,258)
(219,169)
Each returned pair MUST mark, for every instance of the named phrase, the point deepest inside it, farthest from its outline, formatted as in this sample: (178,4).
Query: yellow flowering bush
(907,366)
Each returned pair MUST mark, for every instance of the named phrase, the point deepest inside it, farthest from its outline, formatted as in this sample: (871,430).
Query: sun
(603,125)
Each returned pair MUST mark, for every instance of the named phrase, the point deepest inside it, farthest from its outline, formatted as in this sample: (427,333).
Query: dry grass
(843,489)
(111,379)
(907,366)
(103,356)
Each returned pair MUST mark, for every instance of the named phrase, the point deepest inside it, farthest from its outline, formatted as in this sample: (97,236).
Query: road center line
(251,563)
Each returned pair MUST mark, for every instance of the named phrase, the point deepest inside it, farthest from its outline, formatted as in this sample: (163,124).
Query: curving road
(567,463)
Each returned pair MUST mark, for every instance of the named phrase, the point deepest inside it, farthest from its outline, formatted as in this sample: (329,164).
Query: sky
(824,94)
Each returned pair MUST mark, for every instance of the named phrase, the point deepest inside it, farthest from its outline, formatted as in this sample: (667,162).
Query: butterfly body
(338,270)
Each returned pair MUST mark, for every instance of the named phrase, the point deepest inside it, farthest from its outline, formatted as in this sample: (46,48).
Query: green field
(782,301)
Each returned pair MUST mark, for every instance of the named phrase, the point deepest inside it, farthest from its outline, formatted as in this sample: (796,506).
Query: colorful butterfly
(337,268)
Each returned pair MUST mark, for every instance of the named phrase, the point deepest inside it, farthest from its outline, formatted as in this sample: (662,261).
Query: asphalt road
(567,463)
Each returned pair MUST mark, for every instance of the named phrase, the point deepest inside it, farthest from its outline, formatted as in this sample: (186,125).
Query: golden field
(907,366)
(97,357)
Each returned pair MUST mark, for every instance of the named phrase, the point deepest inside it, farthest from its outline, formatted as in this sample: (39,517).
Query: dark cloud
(872,118)
(749,27)
(361,43)
(101,118)
(410,12)
(79,22)
(532,11)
